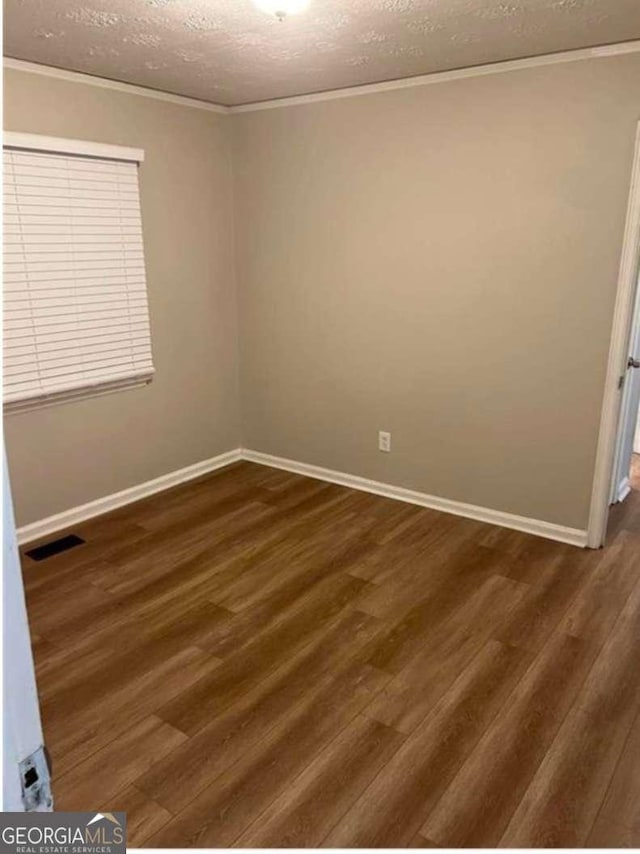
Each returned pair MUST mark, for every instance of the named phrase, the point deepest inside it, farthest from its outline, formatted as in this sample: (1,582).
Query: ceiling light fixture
(281,8)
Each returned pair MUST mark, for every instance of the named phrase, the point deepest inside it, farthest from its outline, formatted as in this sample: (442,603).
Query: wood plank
(477,806)
(78,734)
(230,735)
(432,559)
(284,593)
(454,578)
(307,810)
(219,814)
(146,561)
(618,822)
(447,650)
(600,599)
(144,816)
(132,649)
(153,650)
(116,765)
(420,841)
(194,708)
(540,611)
(310,558)
(392,809)
(560,805)
(347,669)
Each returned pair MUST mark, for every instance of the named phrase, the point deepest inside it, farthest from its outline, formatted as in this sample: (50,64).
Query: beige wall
(439,262)
(72,453)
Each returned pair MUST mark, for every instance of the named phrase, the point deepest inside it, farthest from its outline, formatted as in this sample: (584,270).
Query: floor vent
(62,544)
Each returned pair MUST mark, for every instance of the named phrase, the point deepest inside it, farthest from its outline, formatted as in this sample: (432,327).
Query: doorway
(626,469)
(612,483)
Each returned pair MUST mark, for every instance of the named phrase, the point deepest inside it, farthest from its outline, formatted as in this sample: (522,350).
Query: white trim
(117,85)
(616,367)
(573,536)
(37,530)
(623,490)
(22,730)
(331,94)
(444,76)
(58,145)
(44,527)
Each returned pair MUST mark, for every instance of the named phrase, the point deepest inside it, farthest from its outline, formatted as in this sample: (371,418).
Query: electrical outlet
(384,441)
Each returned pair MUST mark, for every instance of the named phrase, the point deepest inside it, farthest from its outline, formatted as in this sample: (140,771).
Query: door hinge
(35,780)
(620,381)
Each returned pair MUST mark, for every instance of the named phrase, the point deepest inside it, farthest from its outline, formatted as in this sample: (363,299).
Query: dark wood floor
(258,659)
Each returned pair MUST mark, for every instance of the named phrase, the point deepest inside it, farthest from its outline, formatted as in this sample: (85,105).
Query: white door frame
(22,730)
(630,400)
(617,364)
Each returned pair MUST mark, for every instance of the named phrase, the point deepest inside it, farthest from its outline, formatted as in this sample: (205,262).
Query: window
(76,320)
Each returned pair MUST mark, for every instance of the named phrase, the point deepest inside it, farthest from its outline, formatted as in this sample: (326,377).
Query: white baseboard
(549,530)
(623,490)
(51,524)
(73,516)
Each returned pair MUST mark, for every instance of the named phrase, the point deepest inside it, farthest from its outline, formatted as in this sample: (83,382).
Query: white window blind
(76,319)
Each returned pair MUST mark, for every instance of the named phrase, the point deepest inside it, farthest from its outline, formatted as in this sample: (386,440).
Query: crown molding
(445,76)
(617,49)
(117,85)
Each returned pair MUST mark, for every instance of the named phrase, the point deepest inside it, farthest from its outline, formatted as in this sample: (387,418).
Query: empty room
(321,383)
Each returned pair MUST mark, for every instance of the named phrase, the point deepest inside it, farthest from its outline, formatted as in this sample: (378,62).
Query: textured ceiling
(228,52)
